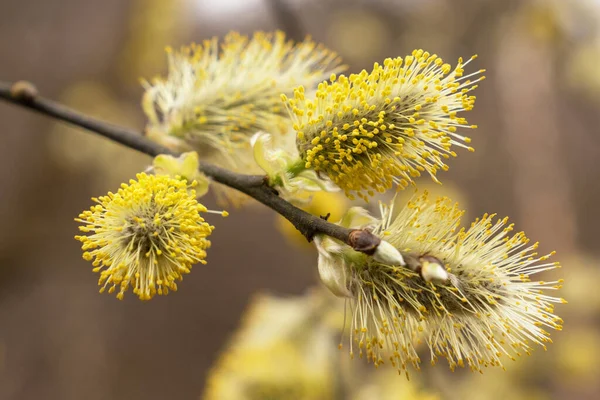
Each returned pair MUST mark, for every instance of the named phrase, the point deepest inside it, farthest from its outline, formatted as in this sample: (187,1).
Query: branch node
(266,184)
(24,91)
(309,234)
(364,241)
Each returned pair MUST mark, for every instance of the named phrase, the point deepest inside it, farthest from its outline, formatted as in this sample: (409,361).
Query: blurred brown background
(537,149)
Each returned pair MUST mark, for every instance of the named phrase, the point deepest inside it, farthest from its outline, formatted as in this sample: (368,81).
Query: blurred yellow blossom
(578,350)
(153,25)
(281,351)
(496,385)
(580,286)
(385,385)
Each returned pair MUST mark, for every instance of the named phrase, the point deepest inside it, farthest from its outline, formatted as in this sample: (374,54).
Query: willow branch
(24,94)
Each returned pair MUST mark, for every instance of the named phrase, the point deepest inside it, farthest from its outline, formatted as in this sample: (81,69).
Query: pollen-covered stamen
(468,293)
(372,130)
(147,235)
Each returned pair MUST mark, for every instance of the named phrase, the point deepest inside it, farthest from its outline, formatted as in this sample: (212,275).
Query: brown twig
(287,19)
(25,94)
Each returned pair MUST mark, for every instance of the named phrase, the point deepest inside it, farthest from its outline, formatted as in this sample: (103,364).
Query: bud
(433,271)
(24,91)
(285,171)
(388,254)
(336,259)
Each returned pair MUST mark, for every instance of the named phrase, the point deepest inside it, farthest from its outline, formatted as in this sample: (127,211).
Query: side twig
(25,94)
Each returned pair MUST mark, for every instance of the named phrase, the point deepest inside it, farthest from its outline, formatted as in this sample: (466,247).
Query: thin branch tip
(24,91)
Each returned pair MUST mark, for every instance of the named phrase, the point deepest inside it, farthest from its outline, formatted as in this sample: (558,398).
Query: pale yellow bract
(147,235)
(370,131)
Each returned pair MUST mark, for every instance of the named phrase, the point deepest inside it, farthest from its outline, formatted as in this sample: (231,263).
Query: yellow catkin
(489,310)
(146,235)
(217,95)
(375,129)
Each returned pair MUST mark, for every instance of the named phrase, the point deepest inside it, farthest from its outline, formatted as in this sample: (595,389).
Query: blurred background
(536,156)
